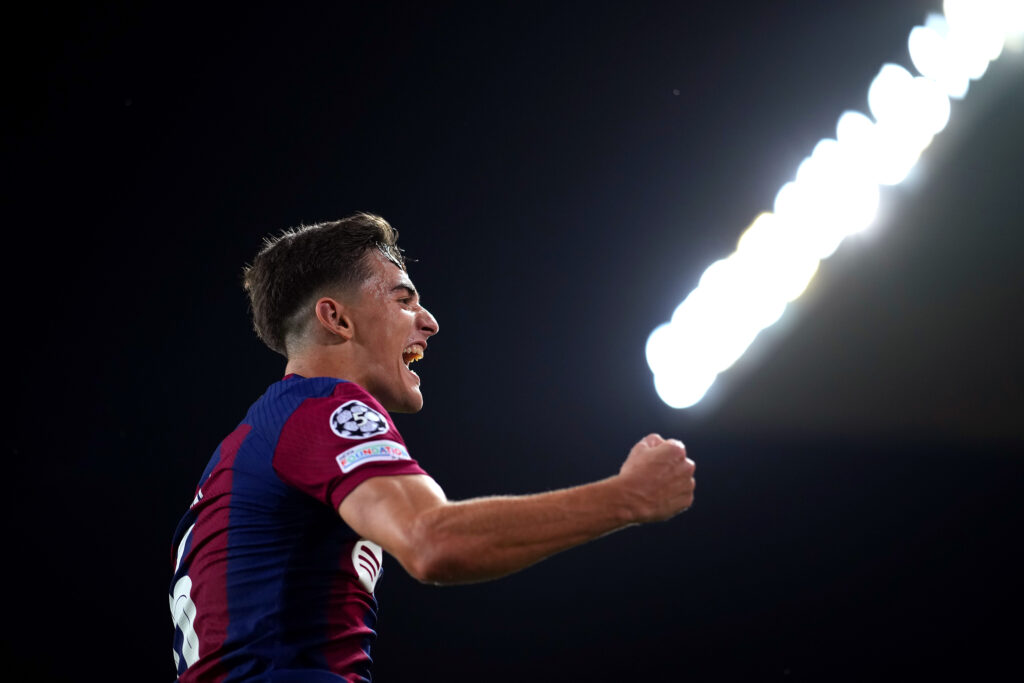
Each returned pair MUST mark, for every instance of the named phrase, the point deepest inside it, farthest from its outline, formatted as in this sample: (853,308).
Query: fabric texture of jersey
(269,583)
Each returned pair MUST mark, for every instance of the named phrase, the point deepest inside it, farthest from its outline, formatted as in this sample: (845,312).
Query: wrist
(621,500)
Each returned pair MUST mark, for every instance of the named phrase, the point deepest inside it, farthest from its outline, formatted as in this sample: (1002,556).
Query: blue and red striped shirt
(269,583)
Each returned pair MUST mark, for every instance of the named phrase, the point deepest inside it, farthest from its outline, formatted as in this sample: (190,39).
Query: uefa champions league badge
(356,420)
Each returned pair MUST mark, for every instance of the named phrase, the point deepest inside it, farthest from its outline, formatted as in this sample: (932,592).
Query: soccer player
(276,560)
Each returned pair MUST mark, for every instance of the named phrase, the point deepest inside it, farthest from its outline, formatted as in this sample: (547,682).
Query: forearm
(438,541)
(485,538)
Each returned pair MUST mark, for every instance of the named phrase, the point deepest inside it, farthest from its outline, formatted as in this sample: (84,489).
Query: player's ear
(334,317)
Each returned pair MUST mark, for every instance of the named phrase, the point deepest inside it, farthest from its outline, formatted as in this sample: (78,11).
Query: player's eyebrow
(408,288)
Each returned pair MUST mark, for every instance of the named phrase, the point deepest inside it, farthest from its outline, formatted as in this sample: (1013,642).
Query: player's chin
(411,401)
(416,405)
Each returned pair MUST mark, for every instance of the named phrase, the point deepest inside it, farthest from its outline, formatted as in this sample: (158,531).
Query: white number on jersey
(183,611)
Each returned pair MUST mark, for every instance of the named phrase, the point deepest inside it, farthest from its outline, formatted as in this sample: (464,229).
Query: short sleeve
(331,444)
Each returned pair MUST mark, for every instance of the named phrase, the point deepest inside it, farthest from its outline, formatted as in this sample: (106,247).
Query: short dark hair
(299,263)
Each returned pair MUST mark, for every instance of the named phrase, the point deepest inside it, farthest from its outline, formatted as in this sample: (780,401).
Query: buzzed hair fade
(301,263)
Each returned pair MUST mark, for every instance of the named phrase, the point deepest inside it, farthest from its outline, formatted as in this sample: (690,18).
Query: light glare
(834,194)
(682,391)
(976,28)
(933,57)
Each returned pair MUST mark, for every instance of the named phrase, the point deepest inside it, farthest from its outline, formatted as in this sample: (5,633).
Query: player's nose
(428,323)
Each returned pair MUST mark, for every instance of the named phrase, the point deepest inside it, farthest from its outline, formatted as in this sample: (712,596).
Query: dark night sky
(561,176)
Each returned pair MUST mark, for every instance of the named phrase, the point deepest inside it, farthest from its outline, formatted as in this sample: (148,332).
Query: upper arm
(387,509)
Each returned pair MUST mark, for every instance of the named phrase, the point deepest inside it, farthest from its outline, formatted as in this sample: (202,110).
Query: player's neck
(342,361)
(315,365)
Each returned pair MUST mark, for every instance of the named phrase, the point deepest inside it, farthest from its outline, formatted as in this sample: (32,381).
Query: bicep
(385,509)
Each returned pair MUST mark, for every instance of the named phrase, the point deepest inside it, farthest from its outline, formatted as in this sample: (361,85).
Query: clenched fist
(658,478)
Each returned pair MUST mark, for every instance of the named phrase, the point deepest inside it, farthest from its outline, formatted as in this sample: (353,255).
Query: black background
(561,175)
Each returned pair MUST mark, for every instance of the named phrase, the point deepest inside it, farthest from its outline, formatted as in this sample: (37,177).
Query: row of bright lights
(835,194)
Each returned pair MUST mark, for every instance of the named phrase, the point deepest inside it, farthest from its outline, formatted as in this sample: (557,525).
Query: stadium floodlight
(934,57)
(834,194)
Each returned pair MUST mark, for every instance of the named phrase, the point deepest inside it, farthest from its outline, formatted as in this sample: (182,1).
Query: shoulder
(336,439)
(340,416)
(342,409)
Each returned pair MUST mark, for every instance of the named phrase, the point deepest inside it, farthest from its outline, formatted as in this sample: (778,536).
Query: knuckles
(663,475)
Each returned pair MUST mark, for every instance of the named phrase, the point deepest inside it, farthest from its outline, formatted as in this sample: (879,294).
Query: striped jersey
(269,582)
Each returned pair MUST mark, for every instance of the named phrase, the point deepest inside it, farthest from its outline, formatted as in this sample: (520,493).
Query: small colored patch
(374,451)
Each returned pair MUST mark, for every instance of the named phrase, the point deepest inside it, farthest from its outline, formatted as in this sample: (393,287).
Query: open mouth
(412,353)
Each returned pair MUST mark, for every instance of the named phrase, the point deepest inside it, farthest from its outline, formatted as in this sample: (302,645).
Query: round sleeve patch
(356,420)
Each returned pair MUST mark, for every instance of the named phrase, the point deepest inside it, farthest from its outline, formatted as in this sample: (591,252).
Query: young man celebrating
(276,560)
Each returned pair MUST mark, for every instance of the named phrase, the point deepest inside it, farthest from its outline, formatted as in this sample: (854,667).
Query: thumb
(652,440)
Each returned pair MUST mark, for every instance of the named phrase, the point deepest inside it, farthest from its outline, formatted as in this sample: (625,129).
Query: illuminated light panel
(834,194)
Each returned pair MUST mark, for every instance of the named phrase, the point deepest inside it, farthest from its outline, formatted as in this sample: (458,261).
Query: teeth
(412,353)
